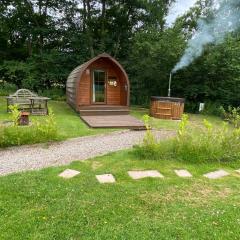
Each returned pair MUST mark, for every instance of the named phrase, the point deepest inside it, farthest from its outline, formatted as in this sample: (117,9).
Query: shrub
(149,146)
(7,88)
(57,94)
(14,72)
(232,115)
(15,114)
(47,129)
(212,108)
(43,131)
(208,144)
(191,107)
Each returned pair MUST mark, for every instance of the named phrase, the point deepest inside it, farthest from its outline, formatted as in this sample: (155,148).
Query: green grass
(138,112)
(41,205)
(195,120)
(70,125)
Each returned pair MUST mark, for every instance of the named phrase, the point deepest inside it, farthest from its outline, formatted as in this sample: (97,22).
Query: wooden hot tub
(167,107)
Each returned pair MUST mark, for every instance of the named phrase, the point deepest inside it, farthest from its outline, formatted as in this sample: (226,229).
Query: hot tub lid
(168,99)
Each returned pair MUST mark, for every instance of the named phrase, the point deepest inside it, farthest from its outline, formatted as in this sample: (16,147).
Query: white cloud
(178,9)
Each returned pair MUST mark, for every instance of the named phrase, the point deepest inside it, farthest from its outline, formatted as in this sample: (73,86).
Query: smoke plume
(225,19)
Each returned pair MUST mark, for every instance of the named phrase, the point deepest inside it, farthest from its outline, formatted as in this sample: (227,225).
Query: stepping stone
(144,174)
(69,173)
(183,173)
(216,174)
(106,178)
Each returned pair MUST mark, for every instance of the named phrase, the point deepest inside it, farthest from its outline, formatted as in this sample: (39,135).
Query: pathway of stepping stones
(144,174)
(105,178)
(216,174)
(183,173)
(69,173)
(109,178)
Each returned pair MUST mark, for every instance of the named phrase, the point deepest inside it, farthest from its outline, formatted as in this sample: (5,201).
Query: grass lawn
(196,120)
(70,125)
(68,122)
(41,205)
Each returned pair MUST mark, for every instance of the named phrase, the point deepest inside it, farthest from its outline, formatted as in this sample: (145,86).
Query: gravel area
(31,157)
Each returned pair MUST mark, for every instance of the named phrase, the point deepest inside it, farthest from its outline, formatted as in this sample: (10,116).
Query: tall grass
(38,131)
(206,144)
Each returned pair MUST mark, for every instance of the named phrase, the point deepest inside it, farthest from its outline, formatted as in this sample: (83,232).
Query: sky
(178,9)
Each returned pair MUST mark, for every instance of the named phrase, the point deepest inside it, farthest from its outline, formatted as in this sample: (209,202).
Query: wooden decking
(109,116)
(113,121)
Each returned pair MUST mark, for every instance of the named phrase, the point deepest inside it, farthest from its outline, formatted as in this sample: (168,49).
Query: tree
(41,41)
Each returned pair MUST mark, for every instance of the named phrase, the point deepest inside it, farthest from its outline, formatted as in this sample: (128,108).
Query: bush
(14,72)
(209,144)
(232,115)
(149,146)
(191,107)
(212,108)
(7,88)
(43,131)
(57,94)
(15,114)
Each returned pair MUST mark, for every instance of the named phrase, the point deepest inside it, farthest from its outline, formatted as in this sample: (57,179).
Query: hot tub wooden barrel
(167,107)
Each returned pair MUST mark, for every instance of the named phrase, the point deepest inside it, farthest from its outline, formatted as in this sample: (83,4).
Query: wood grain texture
(84,90)
(117,121)
(166,110)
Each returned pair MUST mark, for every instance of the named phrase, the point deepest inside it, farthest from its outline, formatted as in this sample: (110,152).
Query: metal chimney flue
(169,84)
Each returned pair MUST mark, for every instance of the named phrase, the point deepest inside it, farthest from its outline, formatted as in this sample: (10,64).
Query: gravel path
(30,157)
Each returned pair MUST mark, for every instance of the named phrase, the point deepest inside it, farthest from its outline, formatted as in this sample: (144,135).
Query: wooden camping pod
(100,81)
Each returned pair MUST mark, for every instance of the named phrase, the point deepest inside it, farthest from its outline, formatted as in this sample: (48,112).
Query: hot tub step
(161,108)
(163,114)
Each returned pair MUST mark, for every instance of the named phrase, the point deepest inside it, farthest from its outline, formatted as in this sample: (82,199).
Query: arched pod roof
(75,77)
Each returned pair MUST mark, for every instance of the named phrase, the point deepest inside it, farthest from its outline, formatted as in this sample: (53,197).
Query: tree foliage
(41,41)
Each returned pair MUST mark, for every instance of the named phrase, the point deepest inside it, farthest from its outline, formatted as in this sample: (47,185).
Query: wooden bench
(27,100)
(21,98)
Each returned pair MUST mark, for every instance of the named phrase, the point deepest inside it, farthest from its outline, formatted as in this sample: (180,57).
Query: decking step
(96,112)
(103,107)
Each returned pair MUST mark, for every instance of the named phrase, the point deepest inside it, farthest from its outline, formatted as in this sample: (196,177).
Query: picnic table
(39,105)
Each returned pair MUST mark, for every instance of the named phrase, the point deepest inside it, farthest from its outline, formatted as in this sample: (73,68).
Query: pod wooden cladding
(82,87)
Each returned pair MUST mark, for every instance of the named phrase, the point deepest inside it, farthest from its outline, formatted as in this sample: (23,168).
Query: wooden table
(42,103)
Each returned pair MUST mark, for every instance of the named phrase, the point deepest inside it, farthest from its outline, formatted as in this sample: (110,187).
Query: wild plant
(149,138)
(149,147)
(235,117)
(38,131)
(182,129)
(46,129)
(207,143)
(232,115)
(15,114)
